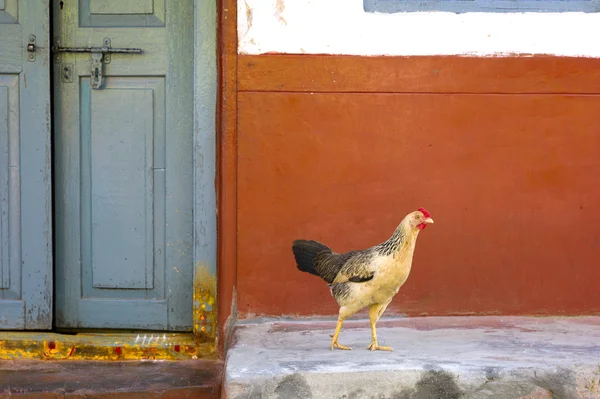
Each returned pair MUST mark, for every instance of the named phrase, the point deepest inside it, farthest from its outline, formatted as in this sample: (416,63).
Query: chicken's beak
(428,220)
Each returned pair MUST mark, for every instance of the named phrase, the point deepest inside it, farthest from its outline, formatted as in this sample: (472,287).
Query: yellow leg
(334,340)
(375,312)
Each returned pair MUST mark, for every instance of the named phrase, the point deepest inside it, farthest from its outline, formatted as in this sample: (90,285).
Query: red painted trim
(227,167)
(540,74)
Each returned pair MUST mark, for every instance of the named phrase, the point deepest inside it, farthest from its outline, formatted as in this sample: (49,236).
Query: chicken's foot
(374,313)
(375,347)
(340,346)
(334,340)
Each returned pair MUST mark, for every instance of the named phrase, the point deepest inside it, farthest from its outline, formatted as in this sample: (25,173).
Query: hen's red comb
(424,212)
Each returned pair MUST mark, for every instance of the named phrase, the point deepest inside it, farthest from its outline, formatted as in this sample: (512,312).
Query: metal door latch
(100,56)
(31,48)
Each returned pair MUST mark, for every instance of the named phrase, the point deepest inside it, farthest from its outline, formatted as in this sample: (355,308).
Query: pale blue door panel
(25,177)
(118,207)
(124,168)
(130,13)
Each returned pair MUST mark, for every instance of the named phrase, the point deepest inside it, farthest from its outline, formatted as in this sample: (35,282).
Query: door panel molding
(9,11)
(10,188)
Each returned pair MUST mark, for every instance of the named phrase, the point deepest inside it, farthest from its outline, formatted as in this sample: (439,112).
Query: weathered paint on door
(123,159)
(25,200)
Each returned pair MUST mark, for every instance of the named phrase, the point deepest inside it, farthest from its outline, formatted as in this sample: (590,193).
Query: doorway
(122,158)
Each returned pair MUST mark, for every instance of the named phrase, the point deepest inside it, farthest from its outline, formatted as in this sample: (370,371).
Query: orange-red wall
(504,153)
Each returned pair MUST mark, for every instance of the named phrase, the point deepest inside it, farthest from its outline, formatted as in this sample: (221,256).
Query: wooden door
(25,178)
(123,159)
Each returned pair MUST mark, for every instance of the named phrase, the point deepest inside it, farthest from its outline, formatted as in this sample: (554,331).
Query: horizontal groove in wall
(418,93)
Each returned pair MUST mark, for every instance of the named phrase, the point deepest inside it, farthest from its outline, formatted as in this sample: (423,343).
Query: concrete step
(122,380)
(433,357)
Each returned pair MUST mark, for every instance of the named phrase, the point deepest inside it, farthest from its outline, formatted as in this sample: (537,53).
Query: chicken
(369,277)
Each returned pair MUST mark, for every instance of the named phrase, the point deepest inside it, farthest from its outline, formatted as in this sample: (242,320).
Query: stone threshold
(151,345)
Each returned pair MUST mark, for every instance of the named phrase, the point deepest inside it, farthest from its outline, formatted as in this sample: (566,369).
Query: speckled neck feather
(400,235)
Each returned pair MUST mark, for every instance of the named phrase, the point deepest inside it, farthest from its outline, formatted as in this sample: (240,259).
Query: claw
(340,346)
(375,347)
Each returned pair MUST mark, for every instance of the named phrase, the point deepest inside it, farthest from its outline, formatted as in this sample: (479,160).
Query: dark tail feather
(305,252)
